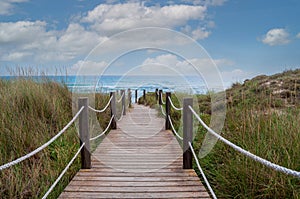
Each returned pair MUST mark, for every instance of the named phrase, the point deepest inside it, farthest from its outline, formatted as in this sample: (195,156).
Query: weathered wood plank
(135,195)
(137,160)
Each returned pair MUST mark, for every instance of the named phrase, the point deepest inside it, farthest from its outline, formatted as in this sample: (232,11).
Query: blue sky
(244,37)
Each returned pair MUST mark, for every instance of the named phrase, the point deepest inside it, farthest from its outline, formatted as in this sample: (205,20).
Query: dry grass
(32,113)
(266,124)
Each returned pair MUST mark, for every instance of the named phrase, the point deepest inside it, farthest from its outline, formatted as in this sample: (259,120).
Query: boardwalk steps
(138,160)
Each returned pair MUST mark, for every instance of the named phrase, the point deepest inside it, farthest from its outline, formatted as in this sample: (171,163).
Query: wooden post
(156,94)
(168,108)
(144,95)
(187,133)
(123,101)
(129,97)
(136,93)
(113,110)
(84,133)
(159,97)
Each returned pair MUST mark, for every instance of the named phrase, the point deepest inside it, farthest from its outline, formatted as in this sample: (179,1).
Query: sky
(244,38)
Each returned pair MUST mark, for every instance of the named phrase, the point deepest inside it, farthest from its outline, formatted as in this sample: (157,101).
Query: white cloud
(298,35)
(16,56)
(118,17)
(184,67)
(77,41)
(21,31)
(23,39)
(199,33)
(7,6)
(206,2)
(277,36)
(37,42)
(88,67)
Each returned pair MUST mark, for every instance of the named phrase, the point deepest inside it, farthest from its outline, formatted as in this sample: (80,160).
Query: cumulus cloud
(86,67)
(277,36)
(21,31)
(37,42)
(24,39)
(7,6)
(184,67)
(118,17)
(298,35)
(198,33)
(76,41)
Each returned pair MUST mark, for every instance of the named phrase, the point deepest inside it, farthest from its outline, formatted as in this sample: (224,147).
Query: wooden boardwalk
(138,160)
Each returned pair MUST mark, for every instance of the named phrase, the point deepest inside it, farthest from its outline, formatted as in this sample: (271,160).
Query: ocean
(105,84)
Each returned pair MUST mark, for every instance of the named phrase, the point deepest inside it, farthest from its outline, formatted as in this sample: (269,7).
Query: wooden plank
(134,184)
(137,160)
(140,189)
(135,195)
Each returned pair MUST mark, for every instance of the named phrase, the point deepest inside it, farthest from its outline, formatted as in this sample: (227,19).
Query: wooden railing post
(136,96)
(113,110)
(129,97)
(144,95)
(168,108)
(156,94)
(159,97)
(187,133)
(84,133)
(123,101)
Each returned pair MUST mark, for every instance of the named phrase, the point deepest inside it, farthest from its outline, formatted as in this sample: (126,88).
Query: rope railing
(247,153)
(177,109)
(173,128)
(7,165)
(123,108)
(202,173)
(96,137)
(119,100)
(162,110)
(162,101)
(102,110)
(63,172)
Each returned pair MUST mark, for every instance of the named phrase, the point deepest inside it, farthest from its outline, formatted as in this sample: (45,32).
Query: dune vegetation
(263,117)
(31,114)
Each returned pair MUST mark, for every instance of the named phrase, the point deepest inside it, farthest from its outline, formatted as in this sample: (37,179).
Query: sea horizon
(109,83)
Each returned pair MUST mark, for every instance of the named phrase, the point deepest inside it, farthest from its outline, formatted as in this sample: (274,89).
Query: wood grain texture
(137,160)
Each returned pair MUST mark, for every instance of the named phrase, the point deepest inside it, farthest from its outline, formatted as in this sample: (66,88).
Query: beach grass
(31,114)
(260,122)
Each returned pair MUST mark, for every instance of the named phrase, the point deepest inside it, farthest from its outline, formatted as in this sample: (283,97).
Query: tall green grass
(31,113)
(256,126)
(254,123)
(272,135)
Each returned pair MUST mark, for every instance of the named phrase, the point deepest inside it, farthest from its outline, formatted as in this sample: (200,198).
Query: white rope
(121,114)
(247,153)
(121,97)
(174,128)
(94,138)
(7,165)
(162,110)
(62,173)
(102,110)
(177,109)
(161,97)
(202,173)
